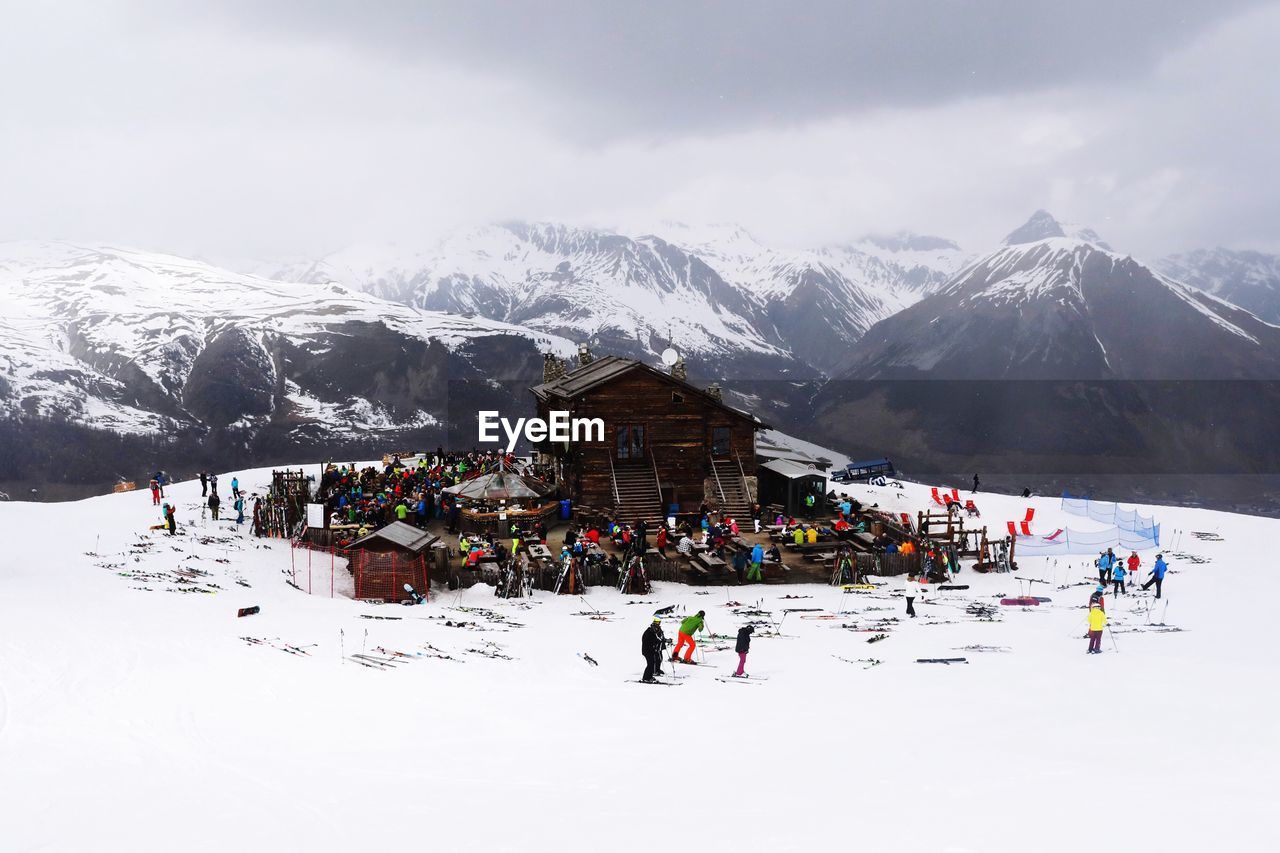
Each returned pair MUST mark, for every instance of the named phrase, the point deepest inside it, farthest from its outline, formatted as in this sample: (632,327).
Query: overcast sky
(279,129)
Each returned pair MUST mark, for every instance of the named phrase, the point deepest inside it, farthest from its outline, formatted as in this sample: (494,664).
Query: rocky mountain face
(1055,354)
(1248,279)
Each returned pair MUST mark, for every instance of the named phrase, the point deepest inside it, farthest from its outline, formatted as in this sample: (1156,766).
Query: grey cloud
(679,65)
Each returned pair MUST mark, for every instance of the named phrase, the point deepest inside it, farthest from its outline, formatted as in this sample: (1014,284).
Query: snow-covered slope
(133,716)
(139,342)
(1245,278)
(730,303)
(823,300)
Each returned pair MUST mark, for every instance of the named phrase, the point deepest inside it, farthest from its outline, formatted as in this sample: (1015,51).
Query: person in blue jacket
(1157,574)
(757,560)
(1117,577)
(1105,559)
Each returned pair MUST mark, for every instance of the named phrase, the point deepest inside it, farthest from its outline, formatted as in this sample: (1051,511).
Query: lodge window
(630,441)
(677,397)
(720,441)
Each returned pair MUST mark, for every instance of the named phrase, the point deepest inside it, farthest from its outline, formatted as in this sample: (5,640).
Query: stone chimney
(584,355)
(679,371)
(552,367)
(713,391)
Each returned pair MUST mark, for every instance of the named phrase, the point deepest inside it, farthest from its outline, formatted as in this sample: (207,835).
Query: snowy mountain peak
(1043,226)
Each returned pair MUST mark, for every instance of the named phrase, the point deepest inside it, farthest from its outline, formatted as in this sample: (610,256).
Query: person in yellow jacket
(1097,622)
(812,535)
(797,535)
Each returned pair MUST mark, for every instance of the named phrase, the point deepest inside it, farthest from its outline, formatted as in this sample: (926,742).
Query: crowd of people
(366,499)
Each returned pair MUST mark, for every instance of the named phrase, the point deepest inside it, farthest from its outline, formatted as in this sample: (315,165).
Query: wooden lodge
(668,446)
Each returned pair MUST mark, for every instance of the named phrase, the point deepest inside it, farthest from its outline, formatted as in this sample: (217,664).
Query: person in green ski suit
(685,636)
(757,558)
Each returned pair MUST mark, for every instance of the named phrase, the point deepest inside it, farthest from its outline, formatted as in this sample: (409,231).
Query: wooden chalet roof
(605,369)
(401,535)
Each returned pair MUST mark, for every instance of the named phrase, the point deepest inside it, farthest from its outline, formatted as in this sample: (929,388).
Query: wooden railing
(719,488)
(746,488)
(613,481)
(657,484)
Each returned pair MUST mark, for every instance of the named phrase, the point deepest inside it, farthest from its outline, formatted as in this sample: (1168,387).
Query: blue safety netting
(1106,512)
(1066,542)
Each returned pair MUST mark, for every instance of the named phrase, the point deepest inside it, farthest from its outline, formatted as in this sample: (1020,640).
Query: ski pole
(1113,639)
(342,652)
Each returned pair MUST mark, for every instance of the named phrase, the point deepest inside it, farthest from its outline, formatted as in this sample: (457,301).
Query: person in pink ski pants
(743,646)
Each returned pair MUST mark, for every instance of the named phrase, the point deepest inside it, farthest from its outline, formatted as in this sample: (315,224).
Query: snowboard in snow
(746,679)
(953,586)
(247,611)
(1020,601)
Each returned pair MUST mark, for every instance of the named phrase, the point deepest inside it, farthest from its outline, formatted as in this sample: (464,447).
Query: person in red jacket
(660,542)
(155,492)
(1134,563)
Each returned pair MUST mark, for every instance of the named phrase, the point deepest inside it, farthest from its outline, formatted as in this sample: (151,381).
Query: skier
(204,484)
(235,487)
(239,508)
(975,484)
(1104,568)
(1097,621)
(684,637)
(757,560)
(1157,574)
(742,647)
(1096,597)
(155,492)
(214,502)
(1117,578)
(651,643)
(1135,563)
(213,483)
(170,521)
(911,590)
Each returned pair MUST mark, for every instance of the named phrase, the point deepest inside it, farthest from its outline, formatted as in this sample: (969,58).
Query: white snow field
(139,720)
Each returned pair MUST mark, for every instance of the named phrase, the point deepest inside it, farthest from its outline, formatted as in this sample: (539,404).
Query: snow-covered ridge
(714,292)
(93,332)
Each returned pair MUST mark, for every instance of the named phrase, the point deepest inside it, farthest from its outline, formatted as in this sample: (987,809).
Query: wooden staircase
(638,496)
(735,501)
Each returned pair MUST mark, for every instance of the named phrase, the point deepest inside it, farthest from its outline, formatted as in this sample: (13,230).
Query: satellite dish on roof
(670,356)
